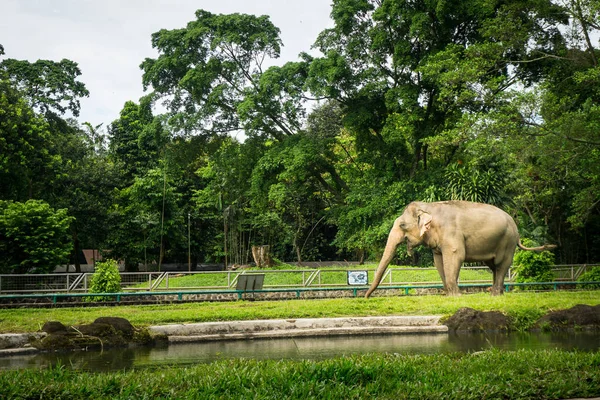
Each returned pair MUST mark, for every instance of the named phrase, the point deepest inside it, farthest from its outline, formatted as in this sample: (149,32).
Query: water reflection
(301,348)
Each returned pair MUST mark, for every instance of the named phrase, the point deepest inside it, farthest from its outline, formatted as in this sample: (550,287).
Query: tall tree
(26,161)
(380,55)
(212,69)
(137,139)
(49,86)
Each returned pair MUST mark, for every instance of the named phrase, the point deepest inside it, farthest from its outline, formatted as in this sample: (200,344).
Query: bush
(34,238)
(533,266)
(106,279)
(592,275)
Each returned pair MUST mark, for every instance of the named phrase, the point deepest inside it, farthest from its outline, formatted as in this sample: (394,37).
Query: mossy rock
(470,320)
(67,342)
(55,327)
(121,325)
(579,317)
(94,329)
(103,332)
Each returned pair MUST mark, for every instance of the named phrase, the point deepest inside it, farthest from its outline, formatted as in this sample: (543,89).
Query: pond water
(300,348)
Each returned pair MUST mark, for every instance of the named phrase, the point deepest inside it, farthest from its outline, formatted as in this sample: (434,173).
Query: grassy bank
(489,374)
(523,307)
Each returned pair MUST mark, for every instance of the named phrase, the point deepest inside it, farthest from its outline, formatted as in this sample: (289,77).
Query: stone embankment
(114,331)
(304,327)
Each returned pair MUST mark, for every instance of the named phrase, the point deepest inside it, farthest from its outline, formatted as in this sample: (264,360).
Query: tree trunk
(75,251)
(361,256)
(262,256)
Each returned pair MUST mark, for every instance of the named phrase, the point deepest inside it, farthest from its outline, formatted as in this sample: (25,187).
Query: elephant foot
(453,292)
(496,292)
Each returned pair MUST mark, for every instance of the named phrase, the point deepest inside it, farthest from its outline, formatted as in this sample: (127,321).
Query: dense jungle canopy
(494,101)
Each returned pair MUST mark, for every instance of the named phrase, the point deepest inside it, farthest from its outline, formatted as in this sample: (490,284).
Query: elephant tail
(539,248)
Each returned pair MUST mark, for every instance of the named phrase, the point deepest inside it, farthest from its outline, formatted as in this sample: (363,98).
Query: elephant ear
(424,223)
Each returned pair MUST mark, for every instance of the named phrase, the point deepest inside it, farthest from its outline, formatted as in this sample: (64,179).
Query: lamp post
(189,246)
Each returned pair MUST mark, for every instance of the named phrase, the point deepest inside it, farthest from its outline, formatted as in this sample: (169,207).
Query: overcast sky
(110,38)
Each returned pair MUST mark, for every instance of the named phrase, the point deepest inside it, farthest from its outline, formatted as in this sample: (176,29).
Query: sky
(109,39)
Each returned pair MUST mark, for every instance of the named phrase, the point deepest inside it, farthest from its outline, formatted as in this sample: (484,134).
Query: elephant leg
(453,258)
(439,264)
(500,270)
(492,266)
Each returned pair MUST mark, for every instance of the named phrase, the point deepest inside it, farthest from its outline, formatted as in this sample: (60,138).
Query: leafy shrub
(106,279)
(532,266)
(34,238)
(592,275)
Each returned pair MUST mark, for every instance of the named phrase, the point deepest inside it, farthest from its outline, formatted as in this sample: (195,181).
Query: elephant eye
(403,225)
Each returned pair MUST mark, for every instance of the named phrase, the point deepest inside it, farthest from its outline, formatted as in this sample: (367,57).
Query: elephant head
(410,226)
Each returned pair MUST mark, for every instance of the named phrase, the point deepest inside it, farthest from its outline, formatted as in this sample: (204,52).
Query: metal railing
(264,293)
(274,279)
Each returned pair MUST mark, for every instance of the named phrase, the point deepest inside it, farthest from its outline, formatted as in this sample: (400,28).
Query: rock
(581,316)
(54,328)
(19,340)
(103,332)
(470,320)
(94,329)
(121,325)
(54,342)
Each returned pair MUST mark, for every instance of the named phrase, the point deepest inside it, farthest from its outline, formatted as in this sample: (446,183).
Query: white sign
(358,278)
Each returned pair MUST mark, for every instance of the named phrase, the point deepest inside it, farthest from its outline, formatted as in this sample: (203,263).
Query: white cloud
(109,39)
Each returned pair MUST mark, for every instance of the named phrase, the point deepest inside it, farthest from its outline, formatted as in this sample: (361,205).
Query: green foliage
(532,266)
(473,184)
(475,100)
(106,279)
(592,275)
(137,139)
(212,73)
(48,85)
(25,140)
(33,237)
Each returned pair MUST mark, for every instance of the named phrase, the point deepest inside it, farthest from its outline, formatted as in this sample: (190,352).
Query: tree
(84,184)
(406,71)
(211,74)
(137,139)
(24,147)
(49,86)
(34,238)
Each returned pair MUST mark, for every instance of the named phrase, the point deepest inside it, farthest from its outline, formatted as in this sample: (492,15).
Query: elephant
(456,232)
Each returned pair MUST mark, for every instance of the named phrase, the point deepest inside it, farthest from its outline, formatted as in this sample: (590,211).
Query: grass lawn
(523,374)
(484,375)
(523,307)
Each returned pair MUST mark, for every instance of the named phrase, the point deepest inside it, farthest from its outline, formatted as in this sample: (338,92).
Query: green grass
(523,307)
(489,374)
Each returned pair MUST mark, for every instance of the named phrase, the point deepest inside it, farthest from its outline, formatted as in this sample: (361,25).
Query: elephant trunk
(394,240)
